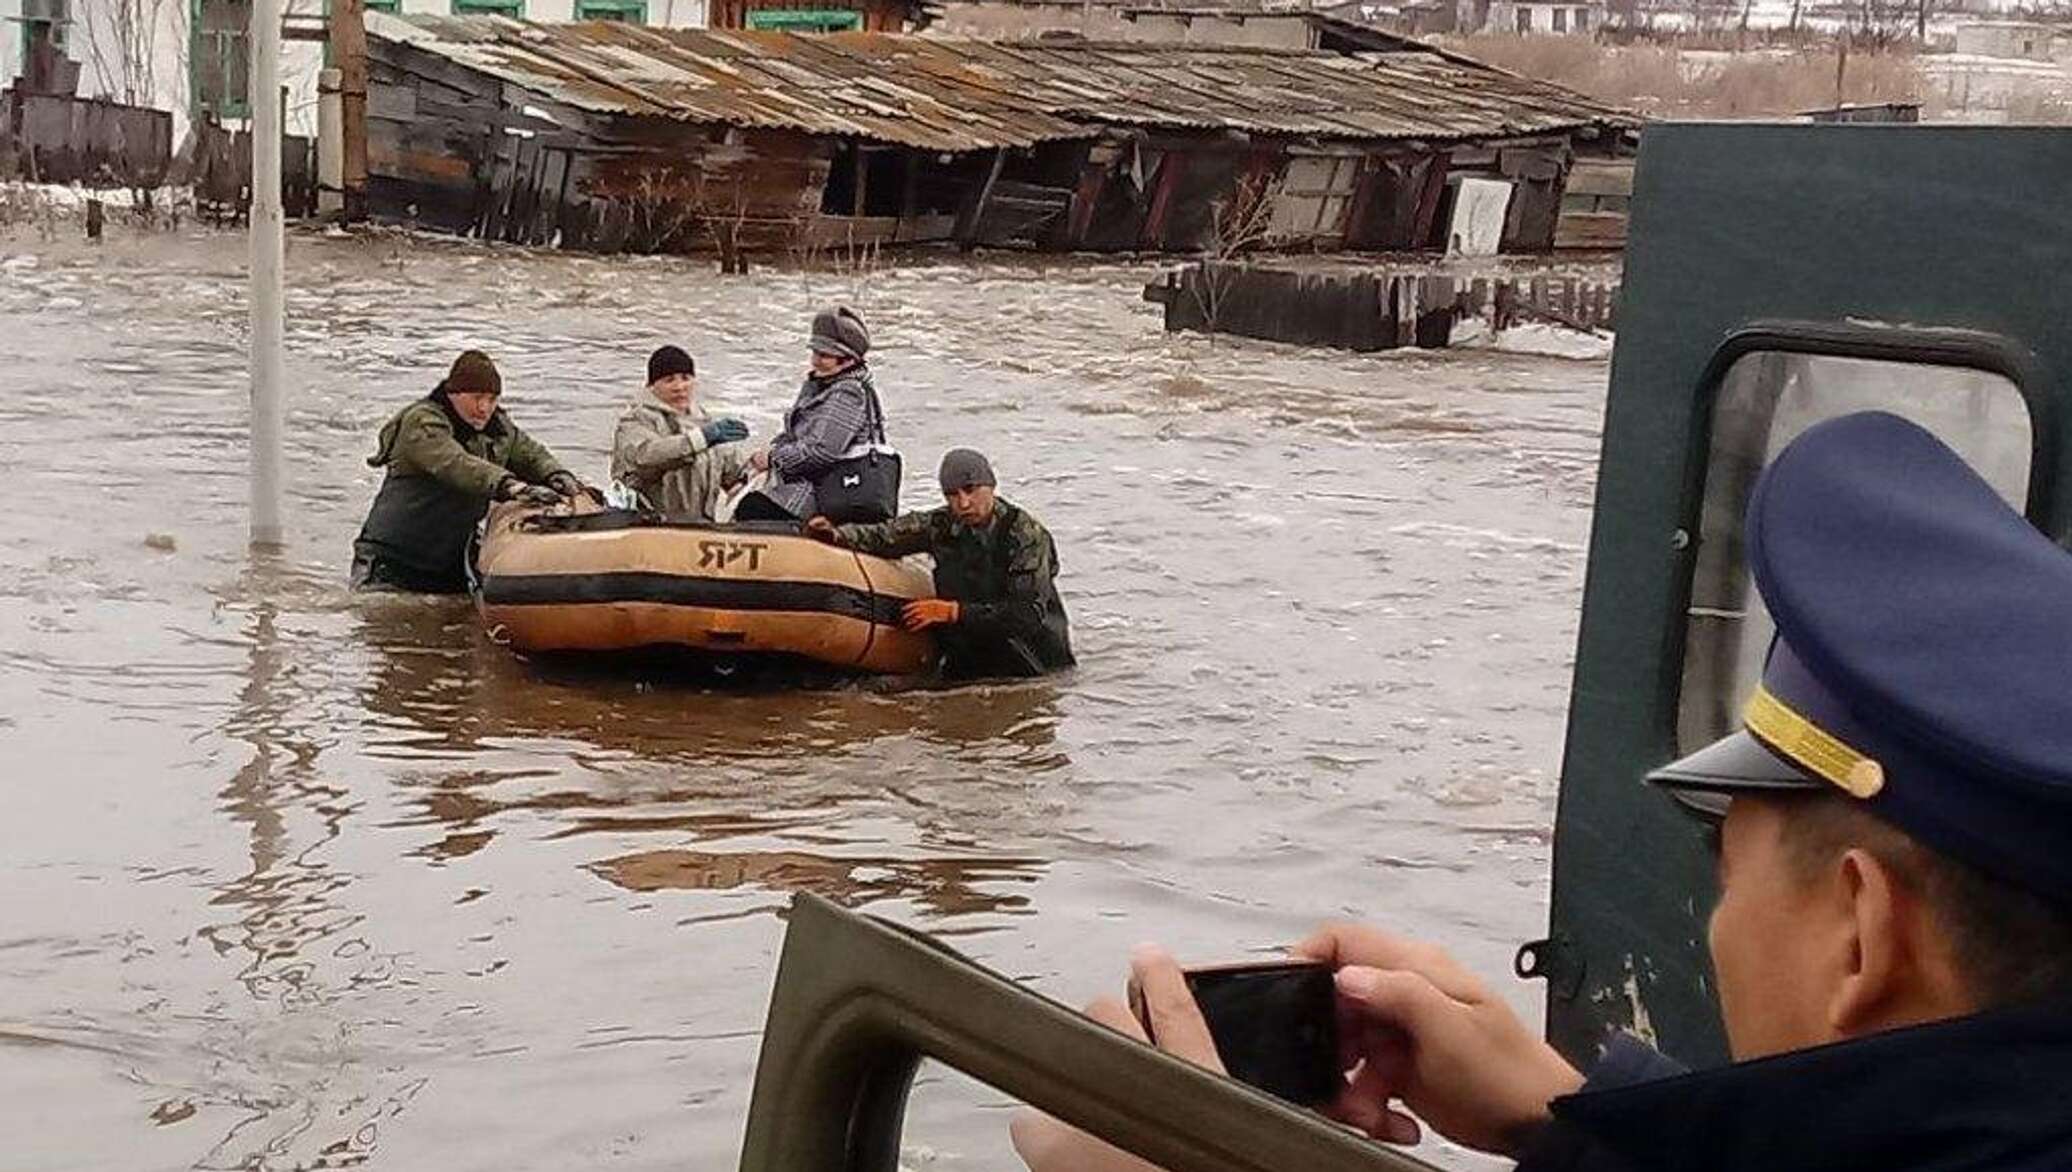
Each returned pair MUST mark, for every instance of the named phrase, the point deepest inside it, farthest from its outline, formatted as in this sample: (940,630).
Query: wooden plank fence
(1371,309)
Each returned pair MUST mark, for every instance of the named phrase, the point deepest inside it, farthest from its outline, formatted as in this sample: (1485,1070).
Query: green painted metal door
(1776,275)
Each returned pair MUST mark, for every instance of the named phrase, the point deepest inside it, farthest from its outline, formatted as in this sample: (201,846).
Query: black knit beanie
(667,361)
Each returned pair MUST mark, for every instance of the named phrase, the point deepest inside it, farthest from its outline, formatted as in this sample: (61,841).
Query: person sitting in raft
(446,457)
(836,415)
(677,459)
(996,571)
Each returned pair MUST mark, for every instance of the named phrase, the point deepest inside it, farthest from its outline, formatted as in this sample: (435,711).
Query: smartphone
(1275,1025)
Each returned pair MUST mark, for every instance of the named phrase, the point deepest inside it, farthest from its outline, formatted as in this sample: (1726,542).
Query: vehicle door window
(1766,399)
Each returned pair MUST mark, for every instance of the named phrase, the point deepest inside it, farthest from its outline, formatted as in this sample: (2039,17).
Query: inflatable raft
(583,579)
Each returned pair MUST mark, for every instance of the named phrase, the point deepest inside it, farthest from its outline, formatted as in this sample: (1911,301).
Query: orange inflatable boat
(582,579)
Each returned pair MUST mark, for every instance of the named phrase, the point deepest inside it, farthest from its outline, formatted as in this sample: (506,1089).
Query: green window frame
(392,7)
(54,17)
(515,9)
(803,20)
(626,11)
(219,61)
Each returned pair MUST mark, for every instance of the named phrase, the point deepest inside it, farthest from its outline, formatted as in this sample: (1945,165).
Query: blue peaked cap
(1923,658)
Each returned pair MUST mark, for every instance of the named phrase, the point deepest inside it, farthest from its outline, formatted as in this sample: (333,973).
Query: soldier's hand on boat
(822,529)
(923,613)
(1047,1145)
(1417,1029)
(724,431)
(568,486)
(530,494)
(513,489)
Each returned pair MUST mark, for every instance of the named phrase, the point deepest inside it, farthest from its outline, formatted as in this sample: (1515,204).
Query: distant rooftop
(955,95)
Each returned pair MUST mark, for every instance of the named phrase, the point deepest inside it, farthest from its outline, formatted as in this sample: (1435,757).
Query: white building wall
(678,13)
(101,75)
(10,42)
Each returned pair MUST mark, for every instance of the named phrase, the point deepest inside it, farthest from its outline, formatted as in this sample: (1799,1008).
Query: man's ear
(1882,962)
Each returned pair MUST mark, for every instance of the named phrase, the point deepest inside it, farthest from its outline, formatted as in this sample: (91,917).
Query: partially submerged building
(612,136)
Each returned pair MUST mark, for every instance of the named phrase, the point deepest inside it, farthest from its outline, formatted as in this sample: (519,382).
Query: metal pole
(268,261)
(330,145)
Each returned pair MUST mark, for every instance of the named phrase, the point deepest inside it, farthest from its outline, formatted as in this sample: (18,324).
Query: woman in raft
(836,416)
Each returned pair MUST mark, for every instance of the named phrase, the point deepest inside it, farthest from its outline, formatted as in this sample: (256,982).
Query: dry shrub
(1667,82)
(24,205)
(2039,108)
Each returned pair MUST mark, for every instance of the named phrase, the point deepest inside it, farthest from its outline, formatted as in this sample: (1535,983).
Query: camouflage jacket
(441,474)
(1004,578)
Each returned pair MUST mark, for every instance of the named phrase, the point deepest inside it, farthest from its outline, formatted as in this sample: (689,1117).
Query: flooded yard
(296,880)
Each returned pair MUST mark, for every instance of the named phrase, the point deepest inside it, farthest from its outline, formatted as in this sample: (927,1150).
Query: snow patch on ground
(1539,339)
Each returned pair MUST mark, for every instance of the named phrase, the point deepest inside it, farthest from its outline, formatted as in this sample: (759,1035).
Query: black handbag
(863,486)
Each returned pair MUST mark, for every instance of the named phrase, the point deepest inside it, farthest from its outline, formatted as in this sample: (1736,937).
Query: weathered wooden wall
(1378,309)
(1595,205)
(455,149)
(52,138)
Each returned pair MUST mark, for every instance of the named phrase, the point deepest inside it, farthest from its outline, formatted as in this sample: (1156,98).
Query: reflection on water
(301,880)
(945,886)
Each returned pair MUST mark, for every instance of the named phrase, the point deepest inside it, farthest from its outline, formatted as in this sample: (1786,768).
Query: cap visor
(1708,779)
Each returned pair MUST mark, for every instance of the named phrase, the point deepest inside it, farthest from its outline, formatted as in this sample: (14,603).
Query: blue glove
(725,431)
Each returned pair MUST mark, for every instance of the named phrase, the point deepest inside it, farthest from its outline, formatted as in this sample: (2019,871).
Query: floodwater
(296,880)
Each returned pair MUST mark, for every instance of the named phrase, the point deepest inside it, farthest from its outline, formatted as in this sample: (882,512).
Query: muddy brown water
(297,880)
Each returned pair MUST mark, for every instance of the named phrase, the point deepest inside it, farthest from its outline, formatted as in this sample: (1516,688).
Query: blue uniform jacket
(1989,1092)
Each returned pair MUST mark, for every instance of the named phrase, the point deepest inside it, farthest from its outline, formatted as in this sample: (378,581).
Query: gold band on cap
(1811,747)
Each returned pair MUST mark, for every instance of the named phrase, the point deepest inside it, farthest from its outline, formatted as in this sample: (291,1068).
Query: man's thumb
(1392,996)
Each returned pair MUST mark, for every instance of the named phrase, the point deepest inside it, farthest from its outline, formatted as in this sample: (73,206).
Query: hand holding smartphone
(1275,1024)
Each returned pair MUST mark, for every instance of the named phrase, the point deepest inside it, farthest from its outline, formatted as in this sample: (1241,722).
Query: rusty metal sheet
(950,95)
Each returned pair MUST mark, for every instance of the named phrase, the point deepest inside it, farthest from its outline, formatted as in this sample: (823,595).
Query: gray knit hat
(964,468)
(839,331)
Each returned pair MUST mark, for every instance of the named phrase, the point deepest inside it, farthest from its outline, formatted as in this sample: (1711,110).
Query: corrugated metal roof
(953,95)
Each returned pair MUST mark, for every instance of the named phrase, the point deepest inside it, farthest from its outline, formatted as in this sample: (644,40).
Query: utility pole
(349,54)
(1841,68)
(268,261)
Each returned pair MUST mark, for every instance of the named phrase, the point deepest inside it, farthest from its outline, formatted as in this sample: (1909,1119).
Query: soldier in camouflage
(996,571)
(446,457)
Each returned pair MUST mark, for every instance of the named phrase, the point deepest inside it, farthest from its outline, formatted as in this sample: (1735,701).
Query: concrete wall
(2028,42)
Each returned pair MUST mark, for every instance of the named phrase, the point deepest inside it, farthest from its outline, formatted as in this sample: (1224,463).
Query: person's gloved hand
(724,431)
(566,484)
(822,529)
(924,613)
(513,489)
